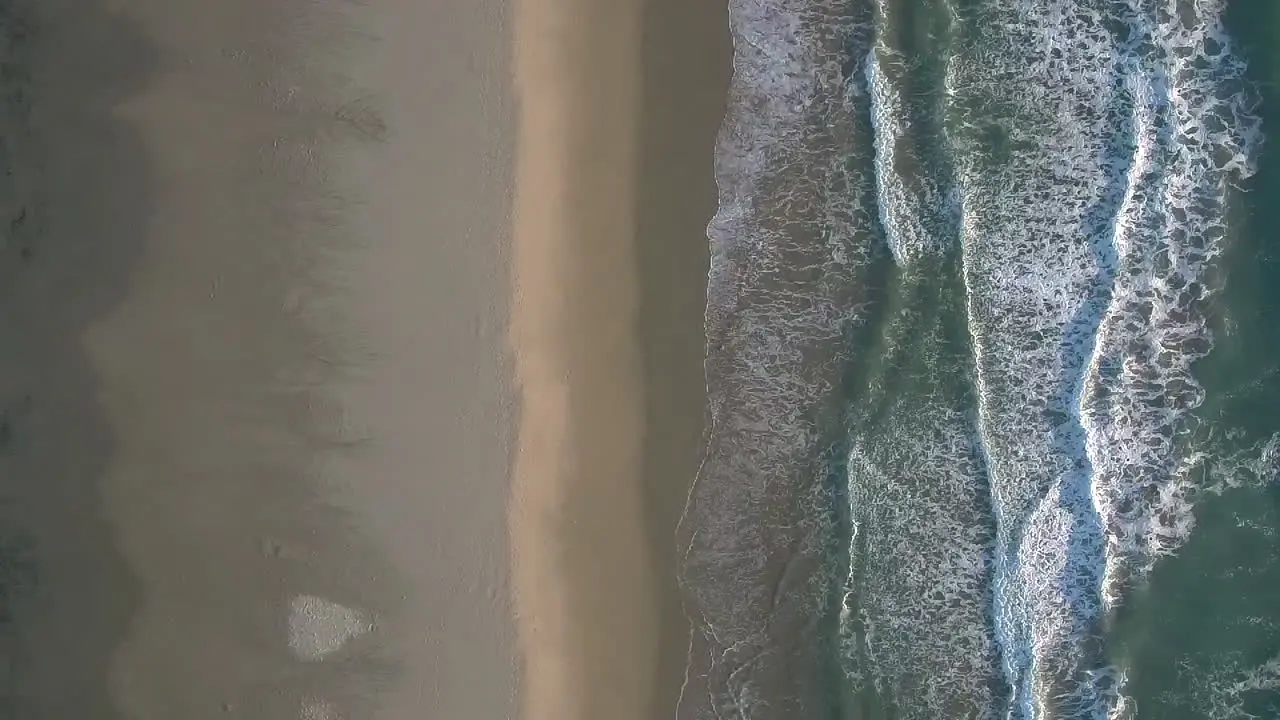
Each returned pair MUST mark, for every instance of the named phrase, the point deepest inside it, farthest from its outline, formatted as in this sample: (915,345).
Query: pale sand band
(589,647)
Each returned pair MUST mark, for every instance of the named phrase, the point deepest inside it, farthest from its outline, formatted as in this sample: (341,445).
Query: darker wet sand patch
(685,66)
(74,198)
(171,403)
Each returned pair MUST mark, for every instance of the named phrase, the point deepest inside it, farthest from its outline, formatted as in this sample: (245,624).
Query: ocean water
(993,365)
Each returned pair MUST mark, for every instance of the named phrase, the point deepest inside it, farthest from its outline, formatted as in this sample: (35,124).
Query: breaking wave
(953,314)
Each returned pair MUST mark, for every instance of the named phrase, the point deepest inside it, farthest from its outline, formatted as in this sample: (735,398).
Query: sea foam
(1076,200)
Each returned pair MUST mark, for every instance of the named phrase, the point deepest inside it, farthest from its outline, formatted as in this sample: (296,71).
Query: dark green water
(992,365)
(1203,636)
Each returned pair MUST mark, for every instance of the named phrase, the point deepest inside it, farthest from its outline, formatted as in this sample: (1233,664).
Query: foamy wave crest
(916,616)
(789,244)
(1095,150)
(1037,117)
(1090,148)
(913,206)
(1196,136)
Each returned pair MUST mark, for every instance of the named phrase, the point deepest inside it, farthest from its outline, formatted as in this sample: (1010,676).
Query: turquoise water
(990,365)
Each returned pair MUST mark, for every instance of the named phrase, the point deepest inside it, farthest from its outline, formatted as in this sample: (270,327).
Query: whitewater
(955,306)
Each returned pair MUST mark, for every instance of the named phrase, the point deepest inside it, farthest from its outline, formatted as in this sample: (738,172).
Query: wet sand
(620,101)
(254,368)
(257,418)
(685,66)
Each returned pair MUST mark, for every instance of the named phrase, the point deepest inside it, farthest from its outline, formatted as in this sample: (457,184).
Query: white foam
(910,209)
(1029,266)
(317,709)
(1140,387)
(902,210)
(1085,241)
(319,627)
(921,562)
(1084,262)
(785,253)
(1222,687)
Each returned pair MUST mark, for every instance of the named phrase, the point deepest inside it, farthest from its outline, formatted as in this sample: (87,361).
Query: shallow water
(988,364)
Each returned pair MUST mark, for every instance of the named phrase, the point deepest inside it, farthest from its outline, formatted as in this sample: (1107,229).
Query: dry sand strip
(619,104)
(586,614)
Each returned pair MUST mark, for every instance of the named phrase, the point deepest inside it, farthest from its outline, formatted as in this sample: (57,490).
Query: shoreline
(619,106)
(686,62)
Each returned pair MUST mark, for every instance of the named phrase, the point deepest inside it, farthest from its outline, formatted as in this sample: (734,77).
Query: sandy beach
(258,417)
(619,105)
